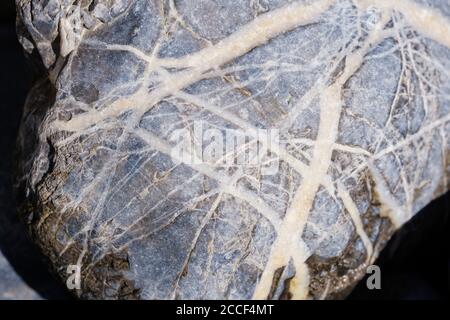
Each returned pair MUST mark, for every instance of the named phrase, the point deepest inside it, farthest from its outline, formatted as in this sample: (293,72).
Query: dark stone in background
(414,265)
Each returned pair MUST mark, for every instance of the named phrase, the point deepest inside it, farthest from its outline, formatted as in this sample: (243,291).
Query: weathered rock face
(337,114)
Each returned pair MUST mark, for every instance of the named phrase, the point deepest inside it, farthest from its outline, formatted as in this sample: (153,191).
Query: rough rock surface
(358,91)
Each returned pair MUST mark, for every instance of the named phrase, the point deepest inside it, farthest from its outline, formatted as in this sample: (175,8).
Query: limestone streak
(427,21)
(297,214)
(254,34)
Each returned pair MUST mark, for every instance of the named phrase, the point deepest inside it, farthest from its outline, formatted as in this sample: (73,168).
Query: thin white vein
(299,166)
(240,193)
(354,213)
(425,20)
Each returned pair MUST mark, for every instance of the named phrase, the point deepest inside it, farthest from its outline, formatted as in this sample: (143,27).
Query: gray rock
(342,111)
(12,286)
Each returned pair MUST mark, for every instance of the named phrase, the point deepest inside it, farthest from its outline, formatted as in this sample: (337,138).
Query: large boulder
(200,149)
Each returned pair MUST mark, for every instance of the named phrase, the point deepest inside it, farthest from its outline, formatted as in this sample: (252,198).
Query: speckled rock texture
(357,91)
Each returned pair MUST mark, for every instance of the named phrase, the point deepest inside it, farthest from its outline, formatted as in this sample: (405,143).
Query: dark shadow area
(414,265)
(14,242)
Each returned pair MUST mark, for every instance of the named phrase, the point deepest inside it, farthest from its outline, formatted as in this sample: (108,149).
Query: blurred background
(414,265)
